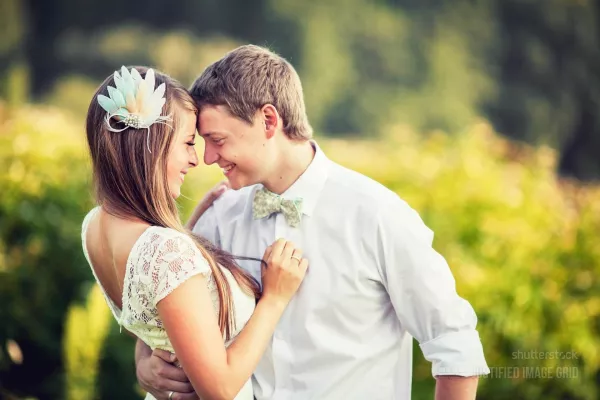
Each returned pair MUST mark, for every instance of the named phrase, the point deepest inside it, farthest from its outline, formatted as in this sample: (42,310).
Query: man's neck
(294,160)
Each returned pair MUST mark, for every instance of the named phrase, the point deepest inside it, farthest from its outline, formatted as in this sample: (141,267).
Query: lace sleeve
(176,260)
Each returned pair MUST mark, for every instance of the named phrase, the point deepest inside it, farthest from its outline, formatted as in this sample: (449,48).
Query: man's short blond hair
(249,77)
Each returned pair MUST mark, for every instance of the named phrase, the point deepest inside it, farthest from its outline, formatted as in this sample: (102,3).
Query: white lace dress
(160,260)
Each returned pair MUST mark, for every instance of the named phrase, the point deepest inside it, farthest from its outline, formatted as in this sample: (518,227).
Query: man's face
(238,148)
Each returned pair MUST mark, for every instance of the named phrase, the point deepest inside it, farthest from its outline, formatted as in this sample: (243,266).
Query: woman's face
(183,155)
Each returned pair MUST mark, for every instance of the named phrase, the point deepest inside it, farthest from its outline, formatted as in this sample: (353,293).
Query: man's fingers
(211,196)
(164,355)
(161,362)
(185,396)
(219,189)
(176,395)
(172,373)
(179,387)
(224,186)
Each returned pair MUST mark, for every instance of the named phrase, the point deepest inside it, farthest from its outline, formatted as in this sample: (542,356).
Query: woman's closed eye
(192,143)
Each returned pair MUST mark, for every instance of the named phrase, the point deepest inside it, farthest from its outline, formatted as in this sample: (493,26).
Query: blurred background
(481,114)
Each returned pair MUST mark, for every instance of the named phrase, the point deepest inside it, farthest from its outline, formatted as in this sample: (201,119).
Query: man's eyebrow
(206,134)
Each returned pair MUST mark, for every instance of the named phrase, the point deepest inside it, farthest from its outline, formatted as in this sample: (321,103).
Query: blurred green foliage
(531,67)
(522,244)
(45,192)
(86,329)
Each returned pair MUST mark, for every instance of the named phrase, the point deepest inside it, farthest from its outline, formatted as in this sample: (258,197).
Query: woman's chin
(175,194)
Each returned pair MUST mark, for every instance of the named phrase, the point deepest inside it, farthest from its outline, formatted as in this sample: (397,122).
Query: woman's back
(149,263)
(108,242)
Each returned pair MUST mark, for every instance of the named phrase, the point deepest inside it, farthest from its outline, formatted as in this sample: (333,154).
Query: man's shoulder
(377,203)
(361,188)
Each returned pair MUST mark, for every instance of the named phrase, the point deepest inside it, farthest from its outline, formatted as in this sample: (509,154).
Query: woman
(171,289)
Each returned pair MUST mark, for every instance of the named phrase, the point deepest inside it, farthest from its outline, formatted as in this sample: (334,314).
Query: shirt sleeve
(176,260)
(423,292)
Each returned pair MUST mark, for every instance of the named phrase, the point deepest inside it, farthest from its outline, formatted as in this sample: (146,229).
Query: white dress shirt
(373,283)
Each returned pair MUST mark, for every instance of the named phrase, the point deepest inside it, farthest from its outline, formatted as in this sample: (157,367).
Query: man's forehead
(207,129)
(213,121)
(212,118)
(214,112)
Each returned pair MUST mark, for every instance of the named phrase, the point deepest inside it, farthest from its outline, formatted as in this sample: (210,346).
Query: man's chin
(237,184)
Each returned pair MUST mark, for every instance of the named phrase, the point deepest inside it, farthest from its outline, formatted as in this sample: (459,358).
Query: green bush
(44,195)
(86,330)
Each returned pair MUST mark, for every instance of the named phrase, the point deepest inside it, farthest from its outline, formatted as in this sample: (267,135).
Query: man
(374,280)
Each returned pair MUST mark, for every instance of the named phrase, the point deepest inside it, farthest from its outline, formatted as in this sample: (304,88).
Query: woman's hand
(284,271)
(206,202)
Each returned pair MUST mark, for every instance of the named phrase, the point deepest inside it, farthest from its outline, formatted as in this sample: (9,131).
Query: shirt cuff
(456,353)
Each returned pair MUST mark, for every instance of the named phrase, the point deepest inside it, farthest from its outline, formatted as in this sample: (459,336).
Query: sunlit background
(483,115)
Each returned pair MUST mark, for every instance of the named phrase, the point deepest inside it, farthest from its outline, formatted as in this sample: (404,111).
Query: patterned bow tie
(266,203)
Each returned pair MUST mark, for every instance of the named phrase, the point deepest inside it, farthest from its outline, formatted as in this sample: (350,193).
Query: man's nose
(210,155)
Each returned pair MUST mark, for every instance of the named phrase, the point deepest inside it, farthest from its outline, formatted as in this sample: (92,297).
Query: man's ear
(270,119)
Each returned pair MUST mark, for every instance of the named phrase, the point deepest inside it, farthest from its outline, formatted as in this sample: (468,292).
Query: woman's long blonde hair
(130,182)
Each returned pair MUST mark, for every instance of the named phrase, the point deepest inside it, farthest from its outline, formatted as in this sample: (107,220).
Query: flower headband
(134,102)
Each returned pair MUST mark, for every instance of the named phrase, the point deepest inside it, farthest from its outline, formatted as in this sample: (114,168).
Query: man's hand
(451,387)
(206,202)
(158,376)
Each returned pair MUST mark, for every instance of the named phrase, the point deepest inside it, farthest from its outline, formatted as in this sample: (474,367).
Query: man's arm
(157,375)
(142,350)
(423,293)
(206,202)
(451,387)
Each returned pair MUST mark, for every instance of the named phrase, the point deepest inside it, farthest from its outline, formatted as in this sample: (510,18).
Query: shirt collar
(309,185)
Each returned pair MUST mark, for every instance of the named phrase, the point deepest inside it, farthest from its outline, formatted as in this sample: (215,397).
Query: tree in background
(531,68)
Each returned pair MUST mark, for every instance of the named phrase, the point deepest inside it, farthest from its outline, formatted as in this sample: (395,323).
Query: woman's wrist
(277,303)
